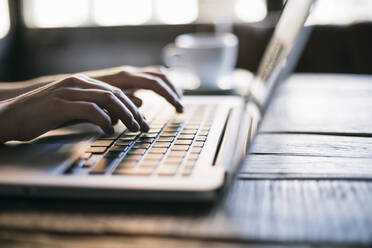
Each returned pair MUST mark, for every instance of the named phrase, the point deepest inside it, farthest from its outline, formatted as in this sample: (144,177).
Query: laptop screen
(284,43)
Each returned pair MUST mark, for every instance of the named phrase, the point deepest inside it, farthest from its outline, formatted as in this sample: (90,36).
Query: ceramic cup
(210,56)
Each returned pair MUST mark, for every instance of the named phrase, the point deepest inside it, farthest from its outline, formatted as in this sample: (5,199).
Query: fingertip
(179,107)
(135,126)
(179,110)
(146,125)
(145,128)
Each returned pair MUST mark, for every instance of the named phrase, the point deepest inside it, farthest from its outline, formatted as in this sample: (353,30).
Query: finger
(161,72)
(164,77)
(133,108)
(80,110)
(136,100)
(106,100)
(89,83)
(150,82)
(113,117)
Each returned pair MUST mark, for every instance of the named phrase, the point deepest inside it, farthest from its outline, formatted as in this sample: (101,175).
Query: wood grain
(322,103)
(325,209)
(284,166)
(262,211)
(313,145)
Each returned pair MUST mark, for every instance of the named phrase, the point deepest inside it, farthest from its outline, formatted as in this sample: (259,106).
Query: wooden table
(307,181)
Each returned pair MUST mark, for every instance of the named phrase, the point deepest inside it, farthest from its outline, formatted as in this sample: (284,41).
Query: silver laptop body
(183,157)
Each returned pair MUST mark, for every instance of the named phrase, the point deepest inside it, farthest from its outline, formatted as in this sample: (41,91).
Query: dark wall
(34,52)
(343,49)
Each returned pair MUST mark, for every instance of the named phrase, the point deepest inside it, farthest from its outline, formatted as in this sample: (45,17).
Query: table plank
(283,211)
(306,167)
(322,103)
(313,145)
(316,211)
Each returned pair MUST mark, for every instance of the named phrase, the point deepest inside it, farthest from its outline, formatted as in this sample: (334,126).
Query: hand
(73,98)
(154,78)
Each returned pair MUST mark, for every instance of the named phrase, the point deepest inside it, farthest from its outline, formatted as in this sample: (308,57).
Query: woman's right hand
(74,98)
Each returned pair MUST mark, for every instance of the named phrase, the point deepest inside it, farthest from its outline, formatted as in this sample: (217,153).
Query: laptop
(188,156)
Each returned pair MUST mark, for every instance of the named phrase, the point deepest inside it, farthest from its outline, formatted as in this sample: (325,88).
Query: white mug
(210,56)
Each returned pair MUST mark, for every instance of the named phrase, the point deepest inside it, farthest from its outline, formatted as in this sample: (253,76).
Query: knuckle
(108,95)
(72,80)
(91,108)
(124,73)
(117,91)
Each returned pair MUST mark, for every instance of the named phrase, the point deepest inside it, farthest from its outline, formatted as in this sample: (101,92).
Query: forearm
(12,89)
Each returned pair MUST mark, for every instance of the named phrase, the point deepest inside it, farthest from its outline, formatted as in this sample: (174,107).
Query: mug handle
(172,56)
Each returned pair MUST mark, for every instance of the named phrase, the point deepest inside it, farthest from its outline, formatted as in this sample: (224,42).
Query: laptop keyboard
(171,147)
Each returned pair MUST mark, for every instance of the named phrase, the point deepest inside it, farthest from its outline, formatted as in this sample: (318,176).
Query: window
(4,18)
(251,11)
(176,12)
(341,11)
(121,12)
(74,13)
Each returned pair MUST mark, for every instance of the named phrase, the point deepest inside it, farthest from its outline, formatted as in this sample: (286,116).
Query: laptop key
(127,164)
(85,155)
(129,138)
(196,150)
(193,156)
(140,171)
(137,151)
(198,144)
(141,145)
(183,142)
(102,143)
(187,137)
(204,133)
(179,154)
(168,134)
(157,150)
(165,139)
(167,170)
(153,156)
(161,145)
(180,148)
(201,138)
(148,163)
(91,161)
(118,148)
(96,150)
(123,142)
(132,157)
(102,165)
(186,132)
(149,135)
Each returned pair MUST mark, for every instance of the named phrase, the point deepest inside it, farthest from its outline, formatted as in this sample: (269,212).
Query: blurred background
(40,37)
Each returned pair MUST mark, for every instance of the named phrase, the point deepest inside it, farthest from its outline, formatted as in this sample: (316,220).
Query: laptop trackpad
(48,151)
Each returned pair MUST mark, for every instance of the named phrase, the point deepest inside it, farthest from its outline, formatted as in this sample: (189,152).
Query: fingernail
(145,126)
(179,107)
(135,126)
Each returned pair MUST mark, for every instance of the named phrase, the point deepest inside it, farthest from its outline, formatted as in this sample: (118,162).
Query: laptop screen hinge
(222,140)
